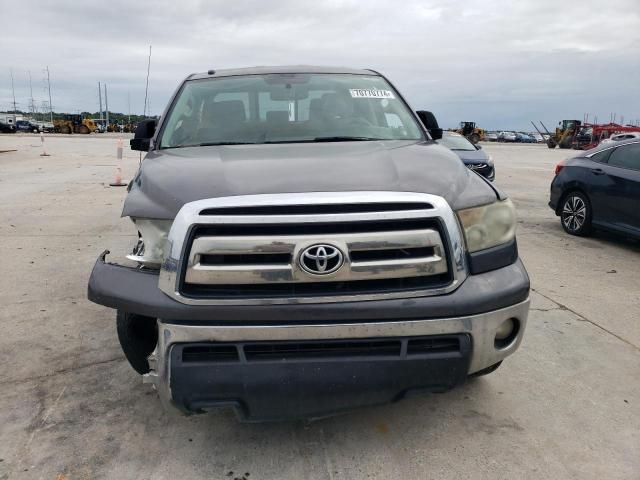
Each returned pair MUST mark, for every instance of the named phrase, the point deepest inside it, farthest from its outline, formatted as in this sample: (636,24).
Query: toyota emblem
(321,259)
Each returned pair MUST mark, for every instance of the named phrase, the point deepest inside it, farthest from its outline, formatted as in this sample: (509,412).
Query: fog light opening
(506,333)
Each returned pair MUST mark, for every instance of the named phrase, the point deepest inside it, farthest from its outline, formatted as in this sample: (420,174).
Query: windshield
(456,142)
(283,108)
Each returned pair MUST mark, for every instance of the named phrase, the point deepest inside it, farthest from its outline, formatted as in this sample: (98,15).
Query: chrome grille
(248,249)
(278,247)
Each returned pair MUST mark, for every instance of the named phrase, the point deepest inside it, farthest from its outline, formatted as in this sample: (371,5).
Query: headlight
(152,241)
(489,225)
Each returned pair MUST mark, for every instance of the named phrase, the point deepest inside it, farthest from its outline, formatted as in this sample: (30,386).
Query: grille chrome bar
(200,273)
(441,249)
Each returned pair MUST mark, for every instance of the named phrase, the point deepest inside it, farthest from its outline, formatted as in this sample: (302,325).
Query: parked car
(101,125)
(45,126)
(304,247)
(7,128)
(538,138)
(522,137)
(507,137)
(27,126)
(620,137)
(599,188)
(473,156)
(491,137)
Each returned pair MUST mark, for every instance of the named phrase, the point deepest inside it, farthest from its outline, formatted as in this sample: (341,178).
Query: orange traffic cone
(118,180)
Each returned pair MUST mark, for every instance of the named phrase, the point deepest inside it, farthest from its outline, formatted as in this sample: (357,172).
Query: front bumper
(275,388)
(308,388)
(136,291)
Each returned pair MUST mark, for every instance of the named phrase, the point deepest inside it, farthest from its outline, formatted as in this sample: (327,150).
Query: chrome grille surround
(175,269)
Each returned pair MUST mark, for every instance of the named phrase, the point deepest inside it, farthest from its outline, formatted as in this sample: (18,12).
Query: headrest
(336,106)
(277,116)
(226,111)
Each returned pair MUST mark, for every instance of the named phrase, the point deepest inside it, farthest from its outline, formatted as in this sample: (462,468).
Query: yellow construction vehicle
(89,126)
(471,132)
(74,124)
(564,135)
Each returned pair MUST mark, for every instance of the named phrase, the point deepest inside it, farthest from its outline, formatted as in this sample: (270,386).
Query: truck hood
(167,179)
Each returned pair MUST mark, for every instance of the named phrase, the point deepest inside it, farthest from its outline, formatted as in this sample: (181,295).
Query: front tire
(575,214)
(138,336)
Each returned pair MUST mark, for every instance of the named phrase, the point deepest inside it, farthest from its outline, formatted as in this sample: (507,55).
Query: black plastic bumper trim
(310,388)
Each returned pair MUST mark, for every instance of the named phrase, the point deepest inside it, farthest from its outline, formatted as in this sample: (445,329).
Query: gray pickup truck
(305,248)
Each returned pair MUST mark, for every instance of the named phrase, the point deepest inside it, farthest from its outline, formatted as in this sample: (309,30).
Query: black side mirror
(144,133)
(478,147)
(428,119)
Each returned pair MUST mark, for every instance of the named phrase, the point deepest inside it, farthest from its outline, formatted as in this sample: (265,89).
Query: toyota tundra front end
(305,248)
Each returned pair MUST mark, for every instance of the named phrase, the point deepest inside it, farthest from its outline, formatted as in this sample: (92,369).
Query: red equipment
(590,135)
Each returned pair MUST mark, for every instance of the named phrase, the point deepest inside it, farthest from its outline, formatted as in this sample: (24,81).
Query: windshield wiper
(213,144)
(325,139)
(344,139)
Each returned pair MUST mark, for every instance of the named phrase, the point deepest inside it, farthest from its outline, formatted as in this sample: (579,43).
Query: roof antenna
(146,89)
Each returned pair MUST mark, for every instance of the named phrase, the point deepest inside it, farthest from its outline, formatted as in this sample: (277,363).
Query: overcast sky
(500,63)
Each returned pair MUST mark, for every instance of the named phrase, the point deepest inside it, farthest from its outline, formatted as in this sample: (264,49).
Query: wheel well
(138,338)
(566,193)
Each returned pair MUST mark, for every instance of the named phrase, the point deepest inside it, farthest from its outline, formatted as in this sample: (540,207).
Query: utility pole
(14,93)
(50,104)
(32,105)
(146,89)
(100,101)
(129,108)
(106,103)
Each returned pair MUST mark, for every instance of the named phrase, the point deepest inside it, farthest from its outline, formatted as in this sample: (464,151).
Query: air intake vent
(331,228)
(430,345)
(298,351)
(210,353)
(317,209)
(246,259)
(391,254)
(286,290)
(438,346)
